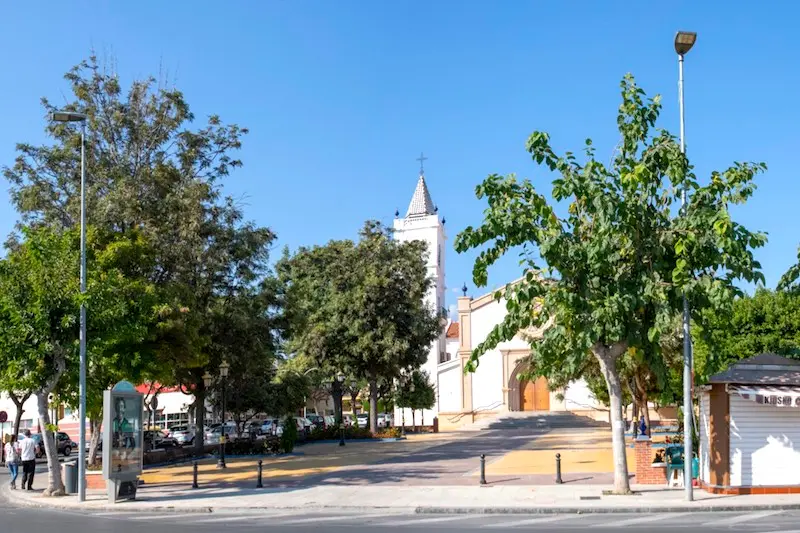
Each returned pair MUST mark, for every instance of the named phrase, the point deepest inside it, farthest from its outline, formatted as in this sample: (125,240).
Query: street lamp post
(208,379)
(340,379)
(305,399)
(71,116)
(223,373)
(684,40)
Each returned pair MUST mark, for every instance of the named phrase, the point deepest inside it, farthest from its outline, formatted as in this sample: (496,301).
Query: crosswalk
(751,522)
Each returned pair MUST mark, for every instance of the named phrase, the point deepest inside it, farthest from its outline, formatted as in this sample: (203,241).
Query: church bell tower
(422,223)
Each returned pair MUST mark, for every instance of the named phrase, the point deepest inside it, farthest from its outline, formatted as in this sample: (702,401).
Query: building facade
(495,388)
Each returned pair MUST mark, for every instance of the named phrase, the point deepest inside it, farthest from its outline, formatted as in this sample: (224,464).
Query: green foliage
(334,433)
(767,322)
(359,308)
(151,171)
(789,281)
(289,436)
(39,301)
(608,275)
(422,395)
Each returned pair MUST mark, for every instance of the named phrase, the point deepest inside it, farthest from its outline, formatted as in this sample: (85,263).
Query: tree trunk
(373,404)
(413,421)
(55,486)
(353,396)
(18,403)
(634,417)
(199,418)
(607,357)
(646,412)
(94,439)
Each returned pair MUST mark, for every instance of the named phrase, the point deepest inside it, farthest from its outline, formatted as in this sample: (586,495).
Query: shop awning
(775,395)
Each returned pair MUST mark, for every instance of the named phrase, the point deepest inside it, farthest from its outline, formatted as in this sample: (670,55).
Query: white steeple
(421,203)
(422,223)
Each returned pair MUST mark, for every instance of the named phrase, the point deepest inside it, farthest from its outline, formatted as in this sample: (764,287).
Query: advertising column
(122,441)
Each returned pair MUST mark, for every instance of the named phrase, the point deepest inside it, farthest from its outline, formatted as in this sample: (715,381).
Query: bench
(675,465)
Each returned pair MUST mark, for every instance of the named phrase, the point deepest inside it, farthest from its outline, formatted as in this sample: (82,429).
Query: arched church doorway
(527,395)
(534,395)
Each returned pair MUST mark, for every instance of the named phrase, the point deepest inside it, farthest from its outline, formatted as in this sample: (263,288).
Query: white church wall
(487,382)
(450,387)
(578,397)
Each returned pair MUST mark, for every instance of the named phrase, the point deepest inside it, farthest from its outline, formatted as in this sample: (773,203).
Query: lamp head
(340,377)
(684,41)
(207,379)
(67,116)
(223,369)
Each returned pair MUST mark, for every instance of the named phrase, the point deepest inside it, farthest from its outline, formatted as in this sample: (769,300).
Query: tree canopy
(359,308)
(766,322)
(607,276)
(150,170)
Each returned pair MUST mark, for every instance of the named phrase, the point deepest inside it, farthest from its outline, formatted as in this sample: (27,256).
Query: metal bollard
(483,469)
(260,485)
(194,475)
(558,469)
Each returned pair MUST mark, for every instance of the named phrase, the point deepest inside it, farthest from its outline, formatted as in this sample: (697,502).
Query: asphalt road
(15,520)
(27,520)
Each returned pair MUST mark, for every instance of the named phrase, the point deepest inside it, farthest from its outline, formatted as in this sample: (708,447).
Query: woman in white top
(12,460)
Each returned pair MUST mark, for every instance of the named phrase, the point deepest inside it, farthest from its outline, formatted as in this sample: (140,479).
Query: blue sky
(341,97)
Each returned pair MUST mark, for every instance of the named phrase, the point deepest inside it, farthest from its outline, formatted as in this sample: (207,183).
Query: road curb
(54,504)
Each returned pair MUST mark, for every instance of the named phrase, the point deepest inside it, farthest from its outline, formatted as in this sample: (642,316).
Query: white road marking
(652,517)
(532,521)
(418,521)
(322,518)
(170,516)
(238,518)
(738,519)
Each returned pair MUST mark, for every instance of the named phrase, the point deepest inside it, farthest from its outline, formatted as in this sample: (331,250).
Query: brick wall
(646,474)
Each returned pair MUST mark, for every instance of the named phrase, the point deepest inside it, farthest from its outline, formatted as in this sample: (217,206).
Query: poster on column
(123,410)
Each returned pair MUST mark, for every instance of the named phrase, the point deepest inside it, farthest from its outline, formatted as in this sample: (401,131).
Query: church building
(494,389)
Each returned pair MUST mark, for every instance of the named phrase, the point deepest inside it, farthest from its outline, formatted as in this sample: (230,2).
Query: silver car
(183,434)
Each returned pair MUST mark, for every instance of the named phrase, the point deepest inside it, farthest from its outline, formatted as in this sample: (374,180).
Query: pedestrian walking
(12,460)
(27,452)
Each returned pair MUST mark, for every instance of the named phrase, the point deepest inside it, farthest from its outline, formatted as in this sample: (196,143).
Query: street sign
(3,417)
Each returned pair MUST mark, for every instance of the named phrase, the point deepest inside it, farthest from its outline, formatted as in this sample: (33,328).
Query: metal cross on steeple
(421,160)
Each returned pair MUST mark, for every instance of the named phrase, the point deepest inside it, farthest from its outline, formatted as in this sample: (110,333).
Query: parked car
(304,425)
(214,434)
(272,427)
(155,439)
(363,420)
(330,421)
(318,421)
(183,434)
(348,419)
(64,444)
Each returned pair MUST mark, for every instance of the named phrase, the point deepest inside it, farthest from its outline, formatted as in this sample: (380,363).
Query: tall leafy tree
(150,169)
(360,308)
(39,337)
(315,283)
(424,394)
(766,322)
(607,275)
(38,318)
